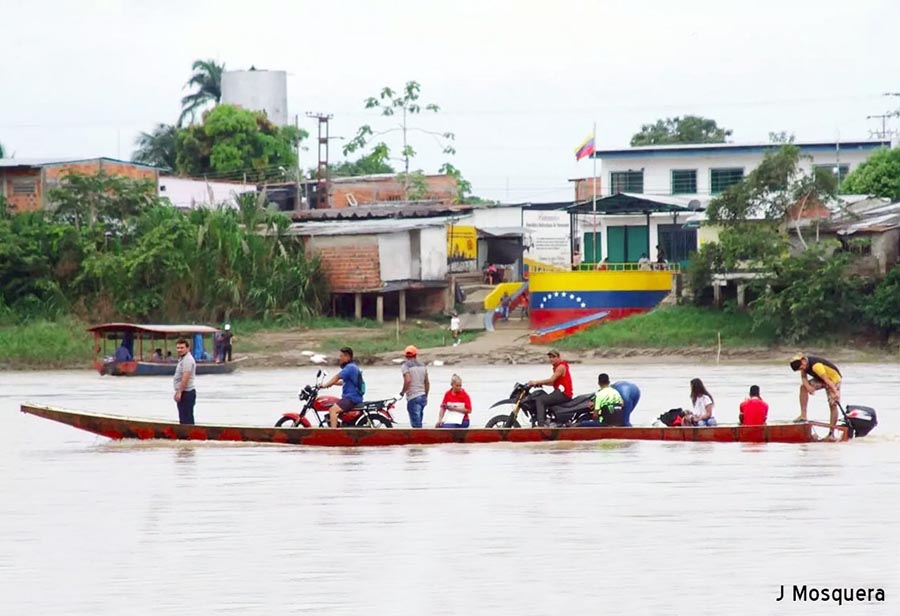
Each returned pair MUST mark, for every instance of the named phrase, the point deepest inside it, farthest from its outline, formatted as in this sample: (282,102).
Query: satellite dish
(694,204)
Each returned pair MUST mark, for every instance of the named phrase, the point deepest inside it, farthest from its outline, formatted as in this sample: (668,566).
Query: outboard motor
(860,419)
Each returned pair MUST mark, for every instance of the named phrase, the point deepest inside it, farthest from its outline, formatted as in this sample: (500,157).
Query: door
(636,243)
(677,242)
(592,254)
(627,243)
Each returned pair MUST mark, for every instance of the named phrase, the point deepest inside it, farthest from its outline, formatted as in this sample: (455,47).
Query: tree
(84,200)
(2,152)
(405,103)
(879,176)
(772,190)
(157,148)
(234,142)
(372,163)
(207,79)
(689,129)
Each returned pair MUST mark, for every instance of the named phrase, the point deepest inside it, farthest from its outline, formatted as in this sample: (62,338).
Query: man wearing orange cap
(415,386)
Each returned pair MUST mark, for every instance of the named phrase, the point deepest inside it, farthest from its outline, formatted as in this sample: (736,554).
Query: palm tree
(207,79)
(156,148)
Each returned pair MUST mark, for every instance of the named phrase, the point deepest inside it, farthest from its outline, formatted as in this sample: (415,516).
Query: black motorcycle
(568,414)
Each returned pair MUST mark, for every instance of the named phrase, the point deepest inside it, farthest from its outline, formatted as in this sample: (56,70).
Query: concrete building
(382,269)
(707,169)
(25,182)
(188,193)
(257,90)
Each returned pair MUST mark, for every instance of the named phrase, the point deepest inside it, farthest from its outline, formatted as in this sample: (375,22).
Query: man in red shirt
(754,409)
(560,380)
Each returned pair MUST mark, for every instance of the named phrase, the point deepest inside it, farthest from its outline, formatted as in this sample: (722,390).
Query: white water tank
(258,91)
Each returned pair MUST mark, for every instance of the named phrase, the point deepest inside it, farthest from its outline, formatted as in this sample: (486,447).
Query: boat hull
(119,427)
(146,368)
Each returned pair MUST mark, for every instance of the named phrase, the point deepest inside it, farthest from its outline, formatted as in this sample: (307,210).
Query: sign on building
(462,244)
(550,237)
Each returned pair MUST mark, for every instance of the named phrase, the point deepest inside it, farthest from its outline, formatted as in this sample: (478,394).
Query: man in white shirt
(455,328)
(185,394)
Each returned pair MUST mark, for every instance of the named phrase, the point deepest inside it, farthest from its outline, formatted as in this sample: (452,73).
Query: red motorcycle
(371,414)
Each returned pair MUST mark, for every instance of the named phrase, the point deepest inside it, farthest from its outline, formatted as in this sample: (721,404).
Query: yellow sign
(462,243)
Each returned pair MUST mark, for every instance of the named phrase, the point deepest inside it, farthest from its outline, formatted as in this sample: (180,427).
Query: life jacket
(564,382)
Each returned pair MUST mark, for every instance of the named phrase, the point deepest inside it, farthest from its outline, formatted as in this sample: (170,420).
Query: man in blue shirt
(350,379)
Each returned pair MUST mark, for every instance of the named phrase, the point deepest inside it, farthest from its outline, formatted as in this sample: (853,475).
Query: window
(684,181)
(24,187)
(843,170)
(720,179)
(626,181)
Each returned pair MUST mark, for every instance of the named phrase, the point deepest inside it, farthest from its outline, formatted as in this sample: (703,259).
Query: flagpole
(594,180)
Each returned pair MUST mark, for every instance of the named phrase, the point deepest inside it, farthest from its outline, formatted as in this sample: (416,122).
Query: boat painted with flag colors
(118,427)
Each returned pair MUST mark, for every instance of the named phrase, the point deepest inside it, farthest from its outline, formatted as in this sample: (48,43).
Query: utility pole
(322,168)
(883,117)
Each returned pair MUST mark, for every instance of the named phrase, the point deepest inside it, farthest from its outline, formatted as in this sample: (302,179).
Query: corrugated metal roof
(367,227)
(153,329)
(416,209)
(43,162)
(713,148)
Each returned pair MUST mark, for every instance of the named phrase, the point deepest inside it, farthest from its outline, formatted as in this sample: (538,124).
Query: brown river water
(89,526)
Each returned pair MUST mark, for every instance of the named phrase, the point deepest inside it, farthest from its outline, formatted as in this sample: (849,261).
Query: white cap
(227,326)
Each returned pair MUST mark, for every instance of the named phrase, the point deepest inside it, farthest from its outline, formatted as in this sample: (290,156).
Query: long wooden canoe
(119,427)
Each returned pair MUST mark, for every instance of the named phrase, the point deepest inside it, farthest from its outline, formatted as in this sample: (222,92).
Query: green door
(589,255)
(636,243)
(625,244)
(615,244)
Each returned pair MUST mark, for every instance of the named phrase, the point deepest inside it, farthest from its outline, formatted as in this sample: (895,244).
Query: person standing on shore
(185,371)
(415,386)
(455,328)
(227,339)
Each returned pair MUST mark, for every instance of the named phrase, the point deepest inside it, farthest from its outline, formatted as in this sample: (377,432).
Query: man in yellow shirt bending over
(817,373)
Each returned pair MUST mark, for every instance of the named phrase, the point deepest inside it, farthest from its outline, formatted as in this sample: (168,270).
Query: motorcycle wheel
(502,421)
(287,422)
(377,421)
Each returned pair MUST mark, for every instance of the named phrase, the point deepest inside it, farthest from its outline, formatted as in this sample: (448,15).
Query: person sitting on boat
(122,353)
(702,412)
(644,262)
(169,356)
(455,407)
(815,374)
(560,380)
(157,356)
(631,395)
(754,410)
(608,405)
(350,379)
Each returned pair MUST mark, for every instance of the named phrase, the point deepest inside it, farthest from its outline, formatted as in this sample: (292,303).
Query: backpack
(361,385)
(672,417)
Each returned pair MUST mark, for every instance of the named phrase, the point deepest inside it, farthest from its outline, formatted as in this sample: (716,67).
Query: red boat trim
(119,427)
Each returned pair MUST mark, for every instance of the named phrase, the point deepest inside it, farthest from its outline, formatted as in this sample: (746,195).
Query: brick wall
(351,263)
(584,189)
(17,182)
(442,188)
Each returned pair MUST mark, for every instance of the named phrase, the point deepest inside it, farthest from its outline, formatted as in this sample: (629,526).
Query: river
(96,527)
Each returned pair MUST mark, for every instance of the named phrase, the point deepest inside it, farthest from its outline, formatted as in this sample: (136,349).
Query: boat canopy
(166,330)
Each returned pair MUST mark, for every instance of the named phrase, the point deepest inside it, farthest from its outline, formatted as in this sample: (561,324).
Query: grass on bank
(674,327)
(62,343)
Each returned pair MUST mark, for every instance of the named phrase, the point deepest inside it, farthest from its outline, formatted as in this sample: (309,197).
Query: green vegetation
(63,343)
(879,176)
(111,249)
(675,327)
(689,129)
(207,83)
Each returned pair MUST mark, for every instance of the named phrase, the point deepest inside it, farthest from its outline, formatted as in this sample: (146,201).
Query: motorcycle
(371,414)
(571,413)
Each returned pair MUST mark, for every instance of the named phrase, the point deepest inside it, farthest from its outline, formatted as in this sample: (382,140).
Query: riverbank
(669,334)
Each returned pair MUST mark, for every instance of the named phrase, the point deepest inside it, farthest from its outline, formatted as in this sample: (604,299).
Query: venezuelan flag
(585,149)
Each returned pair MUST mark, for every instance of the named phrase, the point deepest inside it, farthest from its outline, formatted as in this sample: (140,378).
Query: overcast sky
(520,82)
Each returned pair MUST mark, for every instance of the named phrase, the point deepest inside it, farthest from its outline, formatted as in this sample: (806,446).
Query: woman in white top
(702,412)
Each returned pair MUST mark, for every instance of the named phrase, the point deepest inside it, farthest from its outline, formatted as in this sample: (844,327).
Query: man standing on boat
(185,394)
(227,339)
(415,386)
(815,374)
(560,380)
